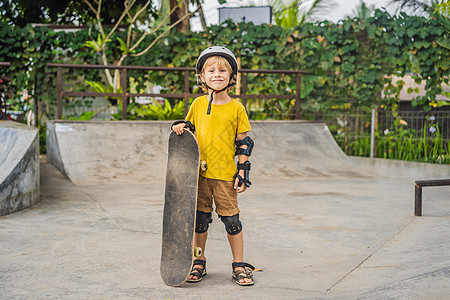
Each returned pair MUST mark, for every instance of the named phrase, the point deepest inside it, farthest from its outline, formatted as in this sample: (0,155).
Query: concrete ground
(313,237)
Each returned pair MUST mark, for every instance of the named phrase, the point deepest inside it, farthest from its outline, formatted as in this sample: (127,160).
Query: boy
(220,125)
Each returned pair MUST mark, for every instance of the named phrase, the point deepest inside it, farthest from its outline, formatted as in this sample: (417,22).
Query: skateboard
(180,202)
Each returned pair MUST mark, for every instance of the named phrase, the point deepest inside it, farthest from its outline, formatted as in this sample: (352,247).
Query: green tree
(22,12)
(180,9)
(133,17)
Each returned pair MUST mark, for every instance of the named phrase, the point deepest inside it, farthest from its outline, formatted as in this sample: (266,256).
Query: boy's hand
(238,188)
(179,128)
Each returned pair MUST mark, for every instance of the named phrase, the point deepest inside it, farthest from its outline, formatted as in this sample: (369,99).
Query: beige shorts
(223,194)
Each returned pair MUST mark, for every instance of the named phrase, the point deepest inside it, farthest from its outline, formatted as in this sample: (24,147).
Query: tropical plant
(99,87)
(159,112)
(421,7)
(443,9)
(363,11)
(297,12)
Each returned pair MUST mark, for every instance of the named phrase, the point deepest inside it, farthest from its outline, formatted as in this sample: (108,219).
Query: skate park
(319,224)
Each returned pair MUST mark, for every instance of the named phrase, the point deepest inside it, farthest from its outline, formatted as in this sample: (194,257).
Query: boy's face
(216,75)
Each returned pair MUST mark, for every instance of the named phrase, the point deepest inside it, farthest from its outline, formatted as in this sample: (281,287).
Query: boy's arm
(242,158)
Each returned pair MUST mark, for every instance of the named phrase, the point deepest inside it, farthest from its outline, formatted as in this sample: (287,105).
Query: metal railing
(418,192)
(359,132)
(186,95)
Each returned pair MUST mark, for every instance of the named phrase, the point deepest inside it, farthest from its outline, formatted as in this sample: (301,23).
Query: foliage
(85,116)
(418,6)
(350,59)
(29,49)
(294,13)
(420,46)
(130,108)
(399,142)
(99,87)
(23,12)
(443,9)
(287,15)
(42,128)
(131,16)
(159,112)
(363,11)
(349,62)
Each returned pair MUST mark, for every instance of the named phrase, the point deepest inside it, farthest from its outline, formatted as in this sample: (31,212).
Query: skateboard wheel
(203,165)
(197,251)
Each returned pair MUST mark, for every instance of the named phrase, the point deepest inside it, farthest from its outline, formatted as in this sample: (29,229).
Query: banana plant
(297,12)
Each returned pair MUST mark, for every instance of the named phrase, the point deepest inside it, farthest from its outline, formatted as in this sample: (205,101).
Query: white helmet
(217,51)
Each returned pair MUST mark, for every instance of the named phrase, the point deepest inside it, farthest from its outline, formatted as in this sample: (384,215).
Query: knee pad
(202,221)
(232,224)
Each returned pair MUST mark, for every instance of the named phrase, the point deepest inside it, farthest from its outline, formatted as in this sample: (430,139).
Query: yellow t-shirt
(216,133)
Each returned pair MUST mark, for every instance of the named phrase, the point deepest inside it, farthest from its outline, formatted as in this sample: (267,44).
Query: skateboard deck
(180,202)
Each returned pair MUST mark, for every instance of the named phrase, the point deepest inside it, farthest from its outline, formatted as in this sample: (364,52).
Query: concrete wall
(135,151)
(19,166)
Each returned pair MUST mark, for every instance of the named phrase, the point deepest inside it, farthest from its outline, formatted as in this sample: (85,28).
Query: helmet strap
(211,97)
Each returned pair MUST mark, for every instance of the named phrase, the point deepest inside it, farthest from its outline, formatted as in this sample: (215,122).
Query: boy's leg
(199,241)
(227,206)
(237,249)
(225,197)
(237,246)
(204,203)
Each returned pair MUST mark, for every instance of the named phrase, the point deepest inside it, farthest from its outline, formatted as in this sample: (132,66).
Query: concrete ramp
(298,149)
(19,166)
(136,151)
(100,152)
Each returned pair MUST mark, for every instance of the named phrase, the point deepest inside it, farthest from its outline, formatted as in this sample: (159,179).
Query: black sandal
(200,273)
(247,273)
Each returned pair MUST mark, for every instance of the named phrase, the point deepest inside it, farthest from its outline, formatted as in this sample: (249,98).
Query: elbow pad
(189,125)
(245,141)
